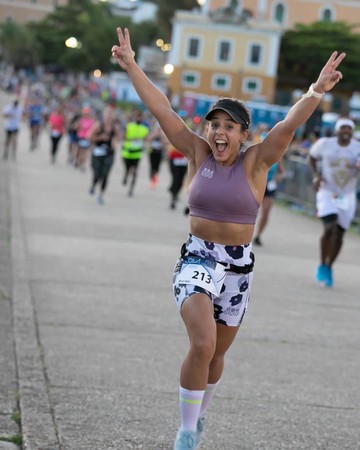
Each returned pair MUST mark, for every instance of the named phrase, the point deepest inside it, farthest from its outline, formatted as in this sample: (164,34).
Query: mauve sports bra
(222,193)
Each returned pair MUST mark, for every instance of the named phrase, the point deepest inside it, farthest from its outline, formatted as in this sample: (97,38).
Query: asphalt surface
(91,341)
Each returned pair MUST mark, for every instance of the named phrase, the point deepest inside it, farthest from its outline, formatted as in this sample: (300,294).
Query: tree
(166,10)
(18,46)
(94,27)
(91,24)
(305,49)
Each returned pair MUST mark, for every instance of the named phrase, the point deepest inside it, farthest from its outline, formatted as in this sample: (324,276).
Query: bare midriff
(221,232)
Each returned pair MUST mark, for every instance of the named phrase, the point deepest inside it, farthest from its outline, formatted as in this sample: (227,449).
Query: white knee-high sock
(190,404)
(209,394)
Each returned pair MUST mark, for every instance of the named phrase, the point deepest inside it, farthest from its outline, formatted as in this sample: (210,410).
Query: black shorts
(269,193)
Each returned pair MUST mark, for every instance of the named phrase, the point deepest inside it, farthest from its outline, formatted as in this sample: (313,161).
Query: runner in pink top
(57,129)
(85,124)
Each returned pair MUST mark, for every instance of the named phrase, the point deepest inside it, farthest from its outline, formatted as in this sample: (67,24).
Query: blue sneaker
(185,440)
(328,282)
(199,430)
(322,273)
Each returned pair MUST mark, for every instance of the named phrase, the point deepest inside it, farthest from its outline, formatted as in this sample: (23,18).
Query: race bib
(137,143)
(271,185)
(204,273)
(99,150)
(55,133)
(84,143)
(156,144)
(341,202)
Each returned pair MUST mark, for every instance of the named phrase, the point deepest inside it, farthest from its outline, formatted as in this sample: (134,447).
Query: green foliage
(166,10)
(305,49)
(146,34)
(92,24)
(17,439)
(16,417)
(18,45)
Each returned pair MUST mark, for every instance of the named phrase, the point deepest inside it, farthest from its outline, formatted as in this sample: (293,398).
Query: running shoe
(185,440)
(322,273)
(154,181)
(199,430)
(328,282)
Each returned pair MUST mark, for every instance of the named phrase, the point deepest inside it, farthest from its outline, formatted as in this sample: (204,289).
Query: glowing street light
(72,42)
(168,69)
(165,47)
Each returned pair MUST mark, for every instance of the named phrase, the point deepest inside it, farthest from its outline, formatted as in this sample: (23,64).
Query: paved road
(99,342)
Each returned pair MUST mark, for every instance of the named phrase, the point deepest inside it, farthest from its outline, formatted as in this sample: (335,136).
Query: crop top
(222,193)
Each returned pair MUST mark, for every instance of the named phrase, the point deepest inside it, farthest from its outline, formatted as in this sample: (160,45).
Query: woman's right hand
(123,52)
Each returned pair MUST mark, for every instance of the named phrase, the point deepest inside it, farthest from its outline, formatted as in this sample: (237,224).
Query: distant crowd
(80,109)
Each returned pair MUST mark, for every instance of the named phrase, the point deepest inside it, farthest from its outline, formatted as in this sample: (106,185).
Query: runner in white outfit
(335,162)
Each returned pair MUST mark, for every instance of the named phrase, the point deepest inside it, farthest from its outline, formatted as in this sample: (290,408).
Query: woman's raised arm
(155,100)
(278,139)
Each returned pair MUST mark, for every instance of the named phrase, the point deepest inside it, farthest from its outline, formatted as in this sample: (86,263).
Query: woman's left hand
(329,75)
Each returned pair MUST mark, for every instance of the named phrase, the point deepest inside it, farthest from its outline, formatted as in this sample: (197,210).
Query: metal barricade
(296,188)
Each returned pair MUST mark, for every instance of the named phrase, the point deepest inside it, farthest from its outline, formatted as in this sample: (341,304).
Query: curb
(35,406)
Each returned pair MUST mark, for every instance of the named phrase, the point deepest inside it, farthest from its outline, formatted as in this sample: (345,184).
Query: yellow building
(26,11)
(231,48)
(290,12)
(221,55)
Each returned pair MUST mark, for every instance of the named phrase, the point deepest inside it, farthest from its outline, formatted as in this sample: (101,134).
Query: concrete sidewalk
(99,341)
(8,376)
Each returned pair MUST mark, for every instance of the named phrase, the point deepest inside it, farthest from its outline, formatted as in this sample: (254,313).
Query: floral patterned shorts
(231,303)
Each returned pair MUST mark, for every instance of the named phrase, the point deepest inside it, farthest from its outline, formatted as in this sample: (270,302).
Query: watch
(312,93)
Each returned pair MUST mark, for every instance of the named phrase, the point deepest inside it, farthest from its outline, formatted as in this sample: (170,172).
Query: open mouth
(221,146)
(346,136)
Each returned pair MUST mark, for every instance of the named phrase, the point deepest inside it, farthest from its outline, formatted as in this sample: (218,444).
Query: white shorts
(231,301)
(343,206)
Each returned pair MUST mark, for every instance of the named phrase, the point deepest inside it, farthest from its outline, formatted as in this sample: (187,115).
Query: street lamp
(168,69)
(72,42)
(164,47)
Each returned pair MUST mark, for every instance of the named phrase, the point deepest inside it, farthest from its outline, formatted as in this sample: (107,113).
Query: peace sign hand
(123,52)
(329,76)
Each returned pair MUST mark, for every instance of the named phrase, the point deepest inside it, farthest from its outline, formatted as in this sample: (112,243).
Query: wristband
(312,93)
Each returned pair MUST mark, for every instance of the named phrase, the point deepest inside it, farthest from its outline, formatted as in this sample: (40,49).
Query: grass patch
(15,439)
(16,417)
